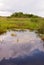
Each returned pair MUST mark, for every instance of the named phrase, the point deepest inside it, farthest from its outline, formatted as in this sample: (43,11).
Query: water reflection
(26,48)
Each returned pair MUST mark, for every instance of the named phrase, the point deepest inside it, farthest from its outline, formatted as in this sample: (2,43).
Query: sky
(7,7)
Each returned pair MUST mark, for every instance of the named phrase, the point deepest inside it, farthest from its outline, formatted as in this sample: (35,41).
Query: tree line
(21,14)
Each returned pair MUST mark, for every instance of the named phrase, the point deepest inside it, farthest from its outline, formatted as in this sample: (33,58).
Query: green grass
(12,23)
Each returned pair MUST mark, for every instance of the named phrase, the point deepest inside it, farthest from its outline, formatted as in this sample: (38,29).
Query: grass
(12,23)
(13,35)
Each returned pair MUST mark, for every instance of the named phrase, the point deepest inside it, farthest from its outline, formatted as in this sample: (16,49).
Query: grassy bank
(13,23)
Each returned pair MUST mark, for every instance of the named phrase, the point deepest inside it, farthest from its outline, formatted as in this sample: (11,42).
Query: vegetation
(13,35)
(21,14)
(22,21)
(42,36)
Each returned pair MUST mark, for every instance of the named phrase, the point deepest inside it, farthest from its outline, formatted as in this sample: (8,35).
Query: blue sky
(27,6)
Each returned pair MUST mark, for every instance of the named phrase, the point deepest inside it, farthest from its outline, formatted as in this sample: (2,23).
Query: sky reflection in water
(26,48)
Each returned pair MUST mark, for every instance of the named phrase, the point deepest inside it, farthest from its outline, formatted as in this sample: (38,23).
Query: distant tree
(21,14)
(17,14)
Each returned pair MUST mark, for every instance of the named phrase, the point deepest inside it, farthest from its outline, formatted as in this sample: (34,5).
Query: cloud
(27,6)
(5,13)
(1,4)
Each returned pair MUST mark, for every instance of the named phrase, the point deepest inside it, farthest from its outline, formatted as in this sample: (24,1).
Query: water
(26,48)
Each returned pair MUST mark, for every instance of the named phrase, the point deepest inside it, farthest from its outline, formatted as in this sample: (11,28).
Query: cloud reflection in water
(28,50)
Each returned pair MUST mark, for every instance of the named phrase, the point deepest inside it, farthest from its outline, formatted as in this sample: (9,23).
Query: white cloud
(5,13)
(1,4)
(28,6)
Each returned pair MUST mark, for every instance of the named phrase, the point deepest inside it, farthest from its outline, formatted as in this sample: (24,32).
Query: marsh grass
(14,23)
(13,35)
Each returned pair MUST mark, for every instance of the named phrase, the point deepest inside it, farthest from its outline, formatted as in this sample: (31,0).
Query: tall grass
(12,23)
